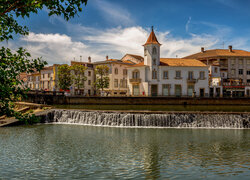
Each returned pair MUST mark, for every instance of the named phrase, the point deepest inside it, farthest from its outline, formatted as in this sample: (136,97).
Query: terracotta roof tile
(176,62)
(136,57)
(219,53)
(181,62)
(152,39)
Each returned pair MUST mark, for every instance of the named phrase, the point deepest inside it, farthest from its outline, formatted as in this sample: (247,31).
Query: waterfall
(174,119)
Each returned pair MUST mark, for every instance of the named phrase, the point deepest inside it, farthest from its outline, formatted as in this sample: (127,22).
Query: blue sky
(117,27)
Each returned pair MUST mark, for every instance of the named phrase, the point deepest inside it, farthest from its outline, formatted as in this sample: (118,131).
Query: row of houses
(208,73)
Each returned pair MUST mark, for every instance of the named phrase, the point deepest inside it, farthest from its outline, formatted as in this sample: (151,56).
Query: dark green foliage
(64,77)
(12,64)
(10,9)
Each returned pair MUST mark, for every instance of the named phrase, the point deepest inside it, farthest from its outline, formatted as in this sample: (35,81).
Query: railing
(137,80)
(235,84)
(193,80)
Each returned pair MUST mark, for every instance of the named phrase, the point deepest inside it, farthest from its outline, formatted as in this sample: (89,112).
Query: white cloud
(114,13)
(116,42)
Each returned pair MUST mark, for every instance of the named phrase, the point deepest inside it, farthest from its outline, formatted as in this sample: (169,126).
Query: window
(165,89)
(121,83)
(232,61)
(43,76)
(116,83)
(202,75)
(125,72)
(145,52)
(178,90)
(49,75)
(233,71)
(125,83)
(89,73)
(248,72)
(116,70)
(136,90)
(154,50)
(240,71)
(89,82)
(215,69)
(248,80)
(240,61)
(190,90)
(190,75)
(248,61)
(178,74)
(136,74)
(165,75)
(154,74)
(154,62)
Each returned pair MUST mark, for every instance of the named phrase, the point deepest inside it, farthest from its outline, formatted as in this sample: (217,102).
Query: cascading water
(184,120)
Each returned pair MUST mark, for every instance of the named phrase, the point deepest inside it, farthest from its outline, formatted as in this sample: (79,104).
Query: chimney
(107,57)
(80,58)
(230,48)
(89,58)
(202,49)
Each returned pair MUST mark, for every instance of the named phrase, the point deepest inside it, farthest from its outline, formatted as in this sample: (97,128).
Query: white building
(117,74)
(166,76)
(88,87)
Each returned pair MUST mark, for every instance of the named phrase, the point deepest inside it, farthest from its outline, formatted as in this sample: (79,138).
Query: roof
(219,53)
(152,38)
(136,56)
(181,62)
(177,62)
(114,61)
(48,68)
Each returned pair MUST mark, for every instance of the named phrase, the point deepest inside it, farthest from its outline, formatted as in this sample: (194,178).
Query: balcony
(137,80)
(191,80)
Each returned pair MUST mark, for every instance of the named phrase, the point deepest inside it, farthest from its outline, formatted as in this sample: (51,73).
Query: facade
(34,81)
(157,76)
(234,69)
(49,78)
(117,75)
(88,88)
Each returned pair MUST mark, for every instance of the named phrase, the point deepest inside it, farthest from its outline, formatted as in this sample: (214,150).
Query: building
(34,81)
(157,76)
(234,68)
(49,78)
(88,87)
(117,75)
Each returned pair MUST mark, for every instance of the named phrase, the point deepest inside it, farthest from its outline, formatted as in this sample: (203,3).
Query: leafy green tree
(79,76)
(12,64)
(64,77)
(102,77)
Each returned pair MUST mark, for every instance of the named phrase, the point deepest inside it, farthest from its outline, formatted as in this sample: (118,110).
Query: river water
(77,152)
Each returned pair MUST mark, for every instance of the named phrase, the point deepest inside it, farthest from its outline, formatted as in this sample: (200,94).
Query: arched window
(116,70)
(136,74)
(154,50)
(154,61)
(145,52)
(154,74)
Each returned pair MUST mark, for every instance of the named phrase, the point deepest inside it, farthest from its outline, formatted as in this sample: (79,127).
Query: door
(154,90)
(190,90)
(136,90)
(178,90)
(202,92)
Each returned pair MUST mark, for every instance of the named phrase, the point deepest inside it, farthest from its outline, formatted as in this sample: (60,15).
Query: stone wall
(61,99)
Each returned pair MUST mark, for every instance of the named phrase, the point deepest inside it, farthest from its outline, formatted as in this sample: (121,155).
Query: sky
(118,27)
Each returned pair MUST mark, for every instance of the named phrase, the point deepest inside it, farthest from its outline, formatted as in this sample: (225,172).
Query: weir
(127,119)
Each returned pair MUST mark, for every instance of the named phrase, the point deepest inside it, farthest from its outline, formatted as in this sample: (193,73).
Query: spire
(152,38)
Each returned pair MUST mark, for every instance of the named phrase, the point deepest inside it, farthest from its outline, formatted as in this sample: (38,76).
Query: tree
(102,78)
(12,64)
(79,76)
(64,77)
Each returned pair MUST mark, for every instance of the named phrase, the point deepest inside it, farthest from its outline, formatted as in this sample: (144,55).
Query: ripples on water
(70,151)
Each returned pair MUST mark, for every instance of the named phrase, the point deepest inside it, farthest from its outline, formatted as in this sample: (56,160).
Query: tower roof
(152,38)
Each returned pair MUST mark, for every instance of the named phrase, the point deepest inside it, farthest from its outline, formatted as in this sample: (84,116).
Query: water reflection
(70,151)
